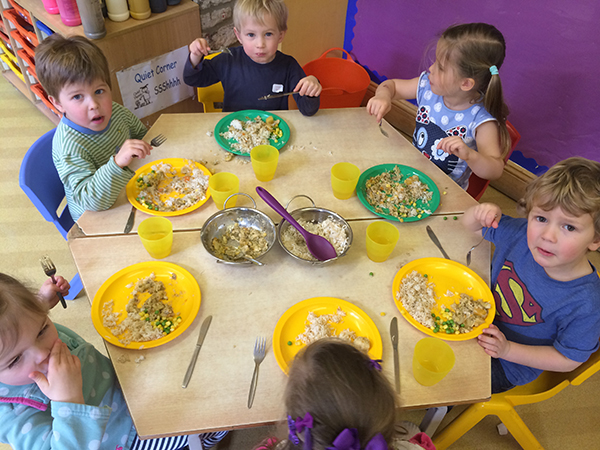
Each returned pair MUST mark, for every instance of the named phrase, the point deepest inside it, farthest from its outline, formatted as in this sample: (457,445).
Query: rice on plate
(252,132)
(390,192)
(153,319)
(318,327)
(166,189)
(459,316)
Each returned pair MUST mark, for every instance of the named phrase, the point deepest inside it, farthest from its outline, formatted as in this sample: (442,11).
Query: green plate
(406,171)
(249,114)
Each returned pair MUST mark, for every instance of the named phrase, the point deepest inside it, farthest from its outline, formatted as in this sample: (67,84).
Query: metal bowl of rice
(323,222)
(238,235)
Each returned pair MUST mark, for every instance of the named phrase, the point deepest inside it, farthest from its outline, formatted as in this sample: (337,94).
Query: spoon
(317,245)
(253,261)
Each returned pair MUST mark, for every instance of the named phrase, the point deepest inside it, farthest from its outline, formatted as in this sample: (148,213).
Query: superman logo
(514,303)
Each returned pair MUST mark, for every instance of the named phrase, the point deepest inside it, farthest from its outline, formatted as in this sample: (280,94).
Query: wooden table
(316,144)
(247,302)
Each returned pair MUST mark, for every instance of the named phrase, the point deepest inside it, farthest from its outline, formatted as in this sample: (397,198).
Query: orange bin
(41,93)
(344,81)
(25,29)
(22,11)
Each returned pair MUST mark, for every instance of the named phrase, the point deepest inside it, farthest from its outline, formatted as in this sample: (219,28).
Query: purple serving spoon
(317,245)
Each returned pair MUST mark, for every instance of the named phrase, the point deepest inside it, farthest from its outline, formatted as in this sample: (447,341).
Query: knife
(394,336)
(130,221)
(435,240)
(282,94)
(190,369)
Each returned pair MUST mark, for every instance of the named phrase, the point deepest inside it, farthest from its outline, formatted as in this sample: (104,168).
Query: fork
(158,140)
(382,130)
(260,350)
(221,50)
(50,270)
(472,248)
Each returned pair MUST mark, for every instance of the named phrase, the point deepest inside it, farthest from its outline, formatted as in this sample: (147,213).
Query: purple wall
(551,74)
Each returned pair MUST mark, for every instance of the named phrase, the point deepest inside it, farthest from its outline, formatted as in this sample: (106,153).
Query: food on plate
(417,295)
(239,241)
(330,229)
(252,132)
(397,195)
(319,326)
(165,188)
(151,320)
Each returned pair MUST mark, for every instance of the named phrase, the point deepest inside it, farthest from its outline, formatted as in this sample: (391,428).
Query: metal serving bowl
(221,222)
(315,215)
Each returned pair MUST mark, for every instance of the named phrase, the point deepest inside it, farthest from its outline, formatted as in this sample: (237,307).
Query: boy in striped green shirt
(96,138)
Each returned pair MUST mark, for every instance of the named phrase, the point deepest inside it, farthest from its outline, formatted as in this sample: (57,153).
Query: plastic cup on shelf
(264,161)
(222,185)
(344,177)
(382,238)
(156,233)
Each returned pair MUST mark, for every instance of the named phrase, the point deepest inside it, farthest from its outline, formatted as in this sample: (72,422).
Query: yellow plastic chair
(502,405)
(211,97)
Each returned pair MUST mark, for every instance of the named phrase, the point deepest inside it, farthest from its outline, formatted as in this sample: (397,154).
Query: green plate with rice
(387,190)
(230,143)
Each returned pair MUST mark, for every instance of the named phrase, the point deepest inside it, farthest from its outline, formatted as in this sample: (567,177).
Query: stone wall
(217,22)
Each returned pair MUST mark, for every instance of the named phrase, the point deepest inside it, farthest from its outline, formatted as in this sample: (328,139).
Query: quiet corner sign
(156,84)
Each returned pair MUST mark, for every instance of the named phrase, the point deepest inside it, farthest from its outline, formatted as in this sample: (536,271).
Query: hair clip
(298,426)
(348,440)
(375,364)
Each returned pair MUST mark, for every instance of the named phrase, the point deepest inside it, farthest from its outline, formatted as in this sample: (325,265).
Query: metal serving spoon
(317,245)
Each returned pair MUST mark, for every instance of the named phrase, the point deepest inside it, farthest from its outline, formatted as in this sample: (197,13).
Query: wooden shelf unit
(126,44)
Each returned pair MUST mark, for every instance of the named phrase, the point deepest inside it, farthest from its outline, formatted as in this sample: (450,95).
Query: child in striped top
(96,138)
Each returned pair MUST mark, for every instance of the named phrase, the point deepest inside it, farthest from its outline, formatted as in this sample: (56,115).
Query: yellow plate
(177,163)
(291,324)
(447,275)
(183,292)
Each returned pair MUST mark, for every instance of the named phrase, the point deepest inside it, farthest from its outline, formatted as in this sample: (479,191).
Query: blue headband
(494,70)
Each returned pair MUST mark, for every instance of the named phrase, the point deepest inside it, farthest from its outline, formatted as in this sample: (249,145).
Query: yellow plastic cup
(264,161)
(344,177)
(156,233)
(382,237)
(222,185)
(432,361)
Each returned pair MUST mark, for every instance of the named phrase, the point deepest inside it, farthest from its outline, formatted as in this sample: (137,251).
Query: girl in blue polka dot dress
(56,390)
(461,118)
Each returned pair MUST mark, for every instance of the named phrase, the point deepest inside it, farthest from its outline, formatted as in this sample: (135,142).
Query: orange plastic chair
(212,96)
(477,186)
(547,385)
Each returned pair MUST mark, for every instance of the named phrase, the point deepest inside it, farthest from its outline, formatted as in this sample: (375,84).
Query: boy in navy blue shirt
(547,293)
(256,68)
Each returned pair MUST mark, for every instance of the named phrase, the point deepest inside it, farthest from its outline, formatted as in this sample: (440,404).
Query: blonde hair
(572,184)
(337,385)
(61,61)
(15,300)
(259,9)
(473,48)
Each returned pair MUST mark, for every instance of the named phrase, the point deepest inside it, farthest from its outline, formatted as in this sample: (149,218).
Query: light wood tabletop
(248,301)
(316,144)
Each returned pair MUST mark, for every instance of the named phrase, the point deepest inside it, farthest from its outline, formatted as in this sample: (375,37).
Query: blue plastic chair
(39,180)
